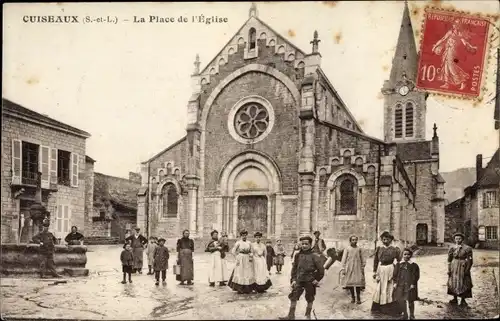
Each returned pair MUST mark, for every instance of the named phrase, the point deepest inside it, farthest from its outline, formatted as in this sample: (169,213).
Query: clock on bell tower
(404,107)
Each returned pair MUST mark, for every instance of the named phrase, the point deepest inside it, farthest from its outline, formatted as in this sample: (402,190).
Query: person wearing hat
(459,267)
(386,256)
(214,247)
(242,277)
(137,242)
(47,242)
(319,246)
(223,252)
(160,262)
(185,249)
(262,280)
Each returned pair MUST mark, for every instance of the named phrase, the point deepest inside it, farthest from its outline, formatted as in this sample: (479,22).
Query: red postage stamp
(453,53)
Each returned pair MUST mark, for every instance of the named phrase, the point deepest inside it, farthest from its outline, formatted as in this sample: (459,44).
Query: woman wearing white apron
(262,281)
(383,270)
(242,279)
(216,270)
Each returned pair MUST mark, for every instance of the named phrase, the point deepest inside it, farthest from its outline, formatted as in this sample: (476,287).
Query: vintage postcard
(250,160)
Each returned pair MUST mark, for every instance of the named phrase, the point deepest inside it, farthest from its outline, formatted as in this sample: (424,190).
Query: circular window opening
(251,120)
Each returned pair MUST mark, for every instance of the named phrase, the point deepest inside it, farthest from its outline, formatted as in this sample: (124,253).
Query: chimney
(479,166)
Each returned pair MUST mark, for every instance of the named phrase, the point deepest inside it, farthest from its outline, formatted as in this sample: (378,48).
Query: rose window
(251,120)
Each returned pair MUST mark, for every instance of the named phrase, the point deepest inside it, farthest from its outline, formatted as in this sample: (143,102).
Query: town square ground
(102,296)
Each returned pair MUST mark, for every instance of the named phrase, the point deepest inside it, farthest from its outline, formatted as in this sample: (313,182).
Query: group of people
(158,255)
(394,272)
(47,242)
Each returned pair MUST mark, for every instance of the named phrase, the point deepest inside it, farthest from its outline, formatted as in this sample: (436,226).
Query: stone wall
(454,219)
(74,197)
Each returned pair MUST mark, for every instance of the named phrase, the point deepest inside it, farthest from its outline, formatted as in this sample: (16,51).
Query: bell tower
(404,108)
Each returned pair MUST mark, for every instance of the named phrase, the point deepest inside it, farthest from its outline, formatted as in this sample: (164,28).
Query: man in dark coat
(47,243)
(138,242)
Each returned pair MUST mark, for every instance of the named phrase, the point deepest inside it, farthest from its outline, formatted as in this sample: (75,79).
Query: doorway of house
(422,231)
(252,214)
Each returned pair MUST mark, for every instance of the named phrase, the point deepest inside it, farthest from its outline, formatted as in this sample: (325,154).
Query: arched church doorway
(422,232)
(250,187)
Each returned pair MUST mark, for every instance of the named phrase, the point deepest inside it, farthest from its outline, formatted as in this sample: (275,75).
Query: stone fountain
(25,258)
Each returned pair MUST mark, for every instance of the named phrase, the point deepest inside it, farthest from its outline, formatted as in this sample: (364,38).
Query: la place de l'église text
(181,19)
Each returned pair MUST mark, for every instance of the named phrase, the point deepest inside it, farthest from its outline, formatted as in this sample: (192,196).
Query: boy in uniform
(307,271)
(47,242)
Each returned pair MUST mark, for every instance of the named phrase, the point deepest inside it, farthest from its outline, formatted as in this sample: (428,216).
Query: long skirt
(382,297)
(216,267)
(138,253)
(242,278)
(186,264)
(279,259)
(459,282)
(262,280)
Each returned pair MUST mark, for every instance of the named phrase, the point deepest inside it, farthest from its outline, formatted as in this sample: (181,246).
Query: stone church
(270,146)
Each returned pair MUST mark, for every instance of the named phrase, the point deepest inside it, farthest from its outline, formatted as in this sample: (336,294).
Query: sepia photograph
(310,160)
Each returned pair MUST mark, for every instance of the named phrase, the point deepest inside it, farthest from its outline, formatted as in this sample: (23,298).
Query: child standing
(406,276)
(127,259)
(269,255)
(353,269)
(307,271)
(160,263)
(150,253)
(279,259)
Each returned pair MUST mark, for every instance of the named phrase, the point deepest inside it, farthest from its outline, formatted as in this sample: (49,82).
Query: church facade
(271,147)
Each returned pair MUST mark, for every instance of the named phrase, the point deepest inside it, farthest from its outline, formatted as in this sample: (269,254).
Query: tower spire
(197,65)
(405,59)
(253,11)
(315,42)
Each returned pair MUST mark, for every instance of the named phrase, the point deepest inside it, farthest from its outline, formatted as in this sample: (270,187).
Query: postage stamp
(453,53)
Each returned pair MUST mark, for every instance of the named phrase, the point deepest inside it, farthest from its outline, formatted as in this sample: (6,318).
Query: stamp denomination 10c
(453,53)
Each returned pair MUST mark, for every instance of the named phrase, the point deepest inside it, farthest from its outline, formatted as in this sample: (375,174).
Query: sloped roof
(414,150)
(14,109)
(490,175)
(439,178)
(165,150)
(116,190)
(237,33)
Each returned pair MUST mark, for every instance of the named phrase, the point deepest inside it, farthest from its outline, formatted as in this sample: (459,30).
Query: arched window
(398,121)
(347,195)
(169,200)
(409,120)
(252,38)
(347,157)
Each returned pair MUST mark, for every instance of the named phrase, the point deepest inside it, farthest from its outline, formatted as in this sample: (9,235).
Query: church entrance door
(252,214)
(422,231)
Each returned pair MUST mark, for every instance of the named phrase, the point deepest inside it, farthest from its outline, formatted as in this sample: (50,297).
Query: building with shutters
(271,147)
(32,143)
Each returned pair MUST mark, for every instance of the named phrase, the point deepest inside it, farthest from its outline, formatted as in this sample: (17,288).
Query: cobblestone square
(102,296)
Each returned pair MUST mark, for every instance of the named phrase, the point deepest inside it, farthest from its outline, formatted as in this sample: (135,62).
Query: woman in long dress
(459,266)
(262,280)
(214,247)
(223,253)
(242,278)
(353,269)
(383,270)
(185,249)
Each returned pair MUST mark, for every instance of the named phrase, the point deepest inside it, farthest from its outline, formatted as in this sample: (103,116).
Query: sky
(128,84)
